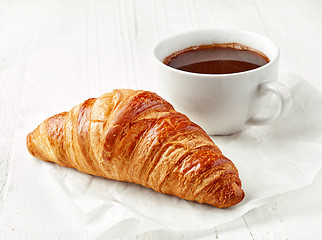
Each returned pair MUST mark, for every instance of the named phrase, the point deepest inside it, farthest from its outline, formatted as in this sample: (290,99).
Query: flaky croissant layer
(138,137)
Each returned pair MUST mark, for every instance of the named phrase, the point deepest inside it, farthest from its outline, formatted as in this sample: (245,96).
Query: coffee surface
(216,59)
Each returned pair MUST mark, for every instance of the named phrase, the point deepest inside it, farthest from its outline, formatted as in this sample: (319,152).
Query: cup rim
(271,62)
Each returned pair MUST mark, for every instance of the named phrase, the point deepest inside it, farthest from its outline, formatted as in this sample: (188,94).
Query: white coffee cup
(222,103)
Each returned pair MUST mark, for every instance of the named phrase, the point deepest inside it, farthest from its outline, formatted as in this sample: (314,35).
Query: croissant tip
(29,143)
(32,145)
(232,194)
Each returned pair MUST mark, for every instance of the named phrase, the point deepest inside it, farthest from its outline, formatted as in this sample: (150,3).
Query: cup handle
(284,105)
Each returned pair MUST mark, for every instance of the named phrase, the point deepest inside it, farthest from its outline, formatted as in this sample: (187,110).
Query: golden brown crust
(136,136)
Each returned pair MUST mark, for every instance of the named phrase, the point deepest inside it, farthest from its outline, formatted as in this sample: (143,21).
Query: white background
(55,54)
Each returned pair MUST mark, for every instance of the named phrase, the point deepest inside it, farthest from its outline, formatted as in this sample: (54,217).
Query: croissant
(138,137)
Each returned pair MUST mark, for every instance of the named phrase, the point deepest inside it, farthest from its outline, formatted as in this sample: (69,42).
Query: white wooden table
(54,54)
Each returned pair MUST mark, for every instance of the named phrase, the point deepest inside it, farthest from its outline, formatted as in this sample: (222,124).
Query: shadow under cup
(221,103)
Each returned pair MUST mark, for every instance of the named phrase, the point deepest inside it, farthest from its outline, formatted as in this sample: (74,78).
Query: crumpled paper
(271,160)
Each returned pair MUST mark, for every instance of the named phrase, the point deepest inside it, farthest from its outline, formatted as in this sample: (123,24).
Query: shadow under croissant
(128,194)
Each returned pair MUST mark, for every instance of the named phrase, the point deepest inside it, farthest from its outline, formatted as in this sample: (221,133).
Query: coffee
(217,59)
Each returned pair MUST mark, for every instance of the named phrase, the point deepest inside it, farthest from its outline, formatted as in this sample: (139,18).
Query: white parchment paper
(271,160)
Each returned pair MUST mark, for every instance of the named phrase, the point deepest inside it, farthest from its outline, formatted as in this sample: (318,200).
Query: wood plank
(296,27)
(16,44)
